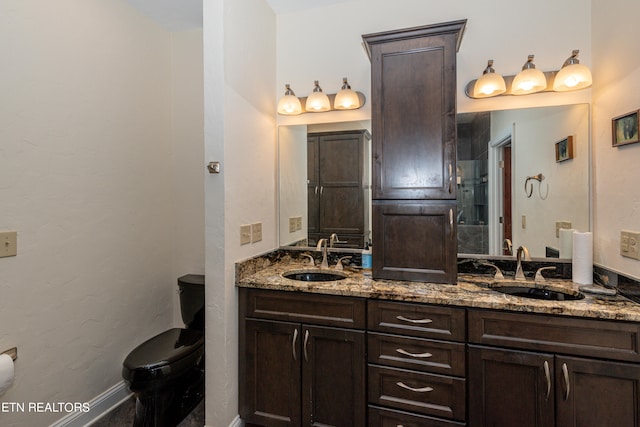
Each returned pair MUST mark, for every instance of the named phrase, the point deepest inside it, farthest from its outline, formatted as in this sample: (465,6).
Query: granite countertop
(470,291)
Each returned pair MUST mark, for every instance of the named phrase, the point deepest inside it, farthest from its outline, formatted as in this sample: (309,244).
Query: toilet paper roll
(6,372)
(566,242)
(582,264)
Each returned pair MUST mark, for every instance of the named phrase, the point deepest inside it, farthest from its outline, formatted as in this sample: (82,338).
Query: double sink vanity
(362,352)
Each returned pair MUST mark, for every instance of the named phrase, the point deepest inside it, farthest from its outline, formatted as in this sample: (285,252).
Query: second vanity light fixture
(318,101)
(572,76)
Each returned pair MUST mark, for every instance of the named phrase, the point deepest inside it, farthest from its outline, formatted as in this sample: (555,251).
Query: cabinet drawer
(419,320)
(439,357)
(379,417)
(580,337)
(313,309)
(412,391)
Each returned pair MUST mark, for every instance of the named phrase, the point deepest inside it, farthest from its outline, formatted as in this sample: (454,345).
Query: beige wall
(239,60)
(616,76)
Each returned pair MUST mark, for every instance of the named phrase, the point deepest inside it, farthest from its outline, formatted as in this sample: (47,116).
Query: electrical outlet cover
(630,244)
(245,234)
(256,232)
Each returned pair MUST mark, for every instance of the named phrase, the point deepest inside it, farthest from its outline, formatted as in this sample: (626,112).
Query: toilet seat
(164,357)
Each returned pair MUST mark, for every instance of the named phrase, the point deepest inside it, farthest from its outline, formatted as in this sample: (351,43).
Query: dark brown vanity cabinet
(557,372)
(417,365)
(337,187)
(413,102)
(302,359)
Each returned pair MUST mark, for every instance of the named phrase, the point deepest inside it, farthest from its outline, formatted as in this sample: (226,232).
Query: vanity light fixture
(573,75)
(529,80)
(318,101)
(346,98)
(490,83)
(289,104)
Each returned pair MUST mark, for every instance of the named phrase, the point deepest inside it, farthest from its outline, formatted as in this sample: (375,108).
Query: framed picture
(625,129)
(564,149)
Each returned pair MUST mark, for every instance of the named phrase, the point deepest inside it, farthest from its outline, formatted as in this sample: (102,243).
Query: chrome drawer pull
(567,383)
(306,341)
(417,390)
(293,343)
(406,353)
(404,319)
(548,378)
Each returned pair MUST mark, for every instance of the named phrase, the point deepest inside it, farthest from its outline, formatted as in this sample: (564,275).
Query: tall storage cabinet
(413,91)
(337,186)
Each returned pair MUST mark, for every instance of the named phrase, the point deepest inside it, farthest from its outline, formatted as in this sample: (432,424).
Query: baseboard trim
(98,407)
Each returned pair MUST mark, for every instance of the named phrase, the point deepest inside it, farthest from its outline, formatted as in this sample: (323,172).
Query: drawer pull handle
(404,319)
(547,376)
(450,178)
(420,355)
(417,390)
(565,373)
(293,344)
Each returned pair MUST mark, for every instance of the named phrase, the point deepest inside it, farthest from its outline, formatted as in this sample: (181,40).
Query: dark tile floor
(123,416)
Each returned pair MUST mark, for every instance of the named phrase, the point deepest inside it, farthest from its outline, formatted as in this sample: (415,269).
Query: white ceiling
(182,15)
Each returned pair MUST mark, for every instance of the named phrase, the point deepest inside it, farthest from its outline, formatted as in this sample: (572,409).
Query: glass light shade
(289,105)
(572,77)
(489,84)
(528,81)
(346,99)
(317,102)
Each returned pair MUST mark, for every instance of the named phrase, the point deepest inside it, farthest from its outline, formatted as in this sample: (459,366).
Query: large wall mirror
(520,174)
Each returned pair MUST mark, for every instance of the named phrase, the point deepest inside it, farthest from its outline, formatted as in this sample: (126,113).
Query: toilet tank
(191,288)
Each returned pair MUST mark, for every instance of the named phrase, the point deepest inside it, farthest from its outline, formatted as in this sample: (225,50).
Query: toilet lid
(163,354)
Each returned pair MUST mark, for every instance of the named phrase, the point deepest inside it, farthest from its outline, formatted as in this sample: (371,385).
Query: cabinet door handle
(316,191)
(450,178)
(451,223)
(417,390)
(306,341)
(293,344)
(565,373)
(404,319)
(419,355)
(321,190)
(547,376)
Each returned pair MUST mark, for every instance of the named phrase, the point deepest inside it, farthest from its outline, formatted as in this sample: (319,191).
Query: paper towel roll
(6,372)
(582,265)
(566,242)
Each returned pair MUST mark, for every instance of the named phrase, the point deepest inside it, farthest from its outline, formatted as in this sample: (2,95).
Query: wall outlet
(562,224)
(298,223)
(256,232)
(245,234)
(8,243)
(292,225)
(630,244)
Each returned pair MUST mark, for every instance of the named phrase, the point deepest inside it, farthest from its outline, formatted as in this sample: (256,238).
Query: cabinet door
(341,183)
(333,389)
(597,393)
(511,388)
(272,373)
(313,185)
(414,241)
(413,85)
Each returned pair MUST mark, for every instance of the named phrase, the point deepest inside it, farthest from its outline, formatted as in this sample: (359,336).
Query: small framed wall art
(625,129)
(564,149)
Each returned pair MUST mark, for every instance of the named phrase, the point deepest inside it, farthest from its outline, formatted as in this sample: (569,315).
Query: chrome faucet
(519,272)
(322,246)
(335,239)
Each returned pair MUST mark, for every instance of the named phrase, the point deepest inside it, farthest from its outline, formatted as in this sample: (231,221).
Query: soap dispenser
(367,261)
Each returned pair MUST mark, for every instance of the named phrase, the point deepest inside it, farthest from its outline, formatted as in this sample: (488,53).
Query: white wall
(616,76)
(240,132)
(86,180)
(187,137)
(292,180)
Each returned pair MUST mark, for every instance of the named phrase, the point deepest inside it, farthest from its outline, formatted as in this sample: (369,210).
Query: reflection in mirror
(324,179)
(497,152)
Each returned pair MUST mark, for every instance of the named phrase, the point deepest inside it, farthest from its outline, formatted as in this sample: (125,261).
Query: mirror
(535,161)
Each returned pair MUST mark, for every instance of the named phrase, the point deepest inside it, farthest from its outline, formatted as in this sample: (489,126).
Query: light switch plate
(298,223)
(8,243)
(245,234)
(256,232)
(562,224)
(292,225)
(630,244)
